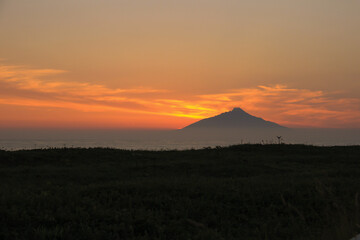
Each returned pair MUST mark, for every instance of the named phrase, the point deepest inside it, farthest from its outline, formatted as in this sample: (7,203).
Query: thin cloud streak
(29,87)
(292,107)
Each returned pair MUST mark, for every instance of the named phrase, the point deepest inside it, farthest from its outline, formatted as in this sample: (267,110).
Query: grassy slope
(239,192)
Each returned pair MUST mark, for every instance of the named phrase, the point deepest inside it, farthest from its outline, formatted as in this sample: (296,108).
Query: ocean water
(121,139)
(11,139)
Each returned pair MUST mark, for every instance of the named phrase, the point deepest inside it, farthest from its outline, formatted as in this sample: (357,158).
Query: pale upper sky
(181,51)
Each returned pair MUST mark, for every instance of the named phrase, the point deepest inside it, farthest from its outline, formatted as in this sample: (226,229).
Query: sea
(17,139)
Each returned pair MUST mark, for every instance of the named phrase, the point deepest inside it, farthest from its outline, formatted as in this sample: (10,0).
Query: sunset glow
(158,64)
(36,101)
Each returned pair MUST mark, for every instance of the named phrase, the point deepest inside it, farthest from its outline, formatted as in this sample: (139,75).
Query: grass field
(239,192)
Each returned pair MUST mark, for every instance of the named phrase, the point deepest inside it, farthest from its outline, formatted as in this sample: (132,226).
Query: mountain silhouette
(235,119)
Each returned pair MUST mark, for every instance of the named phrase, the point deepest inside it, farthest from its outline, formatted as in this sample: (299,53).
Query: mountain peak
(238,110)
(236,118)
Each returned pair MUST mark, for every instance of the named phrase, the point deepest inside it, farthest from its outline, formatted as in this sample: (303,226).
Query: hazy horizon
(15,139)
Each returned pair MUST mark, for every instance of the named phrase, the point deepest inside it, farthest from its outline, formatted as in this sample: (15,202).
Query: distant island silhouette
(237,118)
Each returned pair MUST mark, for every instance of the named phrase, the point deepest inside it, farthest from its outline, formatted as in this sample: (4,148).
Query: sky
(166,64)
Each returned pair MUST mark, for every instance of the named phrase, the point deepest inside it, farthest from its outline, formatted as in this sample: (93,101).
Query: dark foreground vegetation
(239,192)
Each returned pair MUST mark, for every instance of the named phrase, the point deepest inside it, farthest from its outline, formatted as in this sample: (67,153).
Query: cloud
(292,107)
(27,87)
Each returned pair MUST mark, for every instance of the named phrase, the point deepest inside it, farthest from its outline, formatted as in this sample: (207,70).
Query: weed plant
(237,192)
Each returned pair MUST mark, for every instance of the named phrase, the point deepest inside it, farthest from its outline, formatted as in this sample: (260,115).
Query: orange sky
(29,99)
(166,64)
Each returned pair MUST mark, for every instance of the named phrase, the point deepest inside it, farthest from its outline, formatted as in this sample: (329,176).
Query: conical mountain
(237,118)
